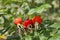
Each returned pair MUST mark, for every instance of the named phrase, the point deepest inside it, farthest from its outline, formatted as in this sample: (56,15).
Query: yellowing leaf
(2,36)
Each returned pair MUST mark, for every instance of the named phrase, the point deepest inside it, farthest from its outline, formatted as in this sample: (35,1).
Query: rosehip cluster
(28,23)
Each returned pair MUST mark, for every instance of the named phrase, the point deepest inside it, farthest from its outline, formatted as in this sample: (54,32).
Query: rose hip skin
(17,21)
(37,19)
(27,23)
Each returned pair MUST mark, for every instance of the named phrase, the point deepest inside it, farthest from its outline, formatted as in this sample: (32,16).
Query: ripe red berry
(27,23)
(17,21)
(37,19)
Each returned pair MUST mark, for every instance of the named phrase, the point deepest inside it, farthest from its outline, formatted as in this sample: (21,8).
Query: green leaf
(2,14)
(36,34)
(39,9)
(5,30)
(55,25)
(58,32)
(55,37)
(42,8)
(28,38)
(36,38)
(1,30)
(6,22)
(31,11)
(42,37)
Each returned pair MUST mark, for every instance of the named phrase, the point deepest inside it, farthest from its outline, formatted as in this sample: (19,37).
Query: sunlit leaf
(42,37)
(55,25)
(39,9)
(28,37)
(55,37)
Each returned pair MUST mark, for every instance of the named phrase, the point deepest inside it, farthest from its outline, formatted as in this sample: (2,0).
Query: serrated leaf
(55,25)
(31,11)
(39,9)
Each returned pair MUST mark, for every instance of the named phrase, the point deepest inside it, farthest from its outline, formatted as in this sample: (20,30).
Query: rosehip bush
(29,19)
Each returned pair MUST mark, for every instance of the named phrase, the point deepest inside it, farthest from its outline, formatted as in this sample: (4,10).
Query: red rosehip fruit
(37,19)
(27,23)
(17,21)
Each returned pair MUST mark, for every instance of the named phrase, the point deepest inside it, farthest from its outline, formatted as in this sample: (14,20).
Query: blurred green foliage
(49,10)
